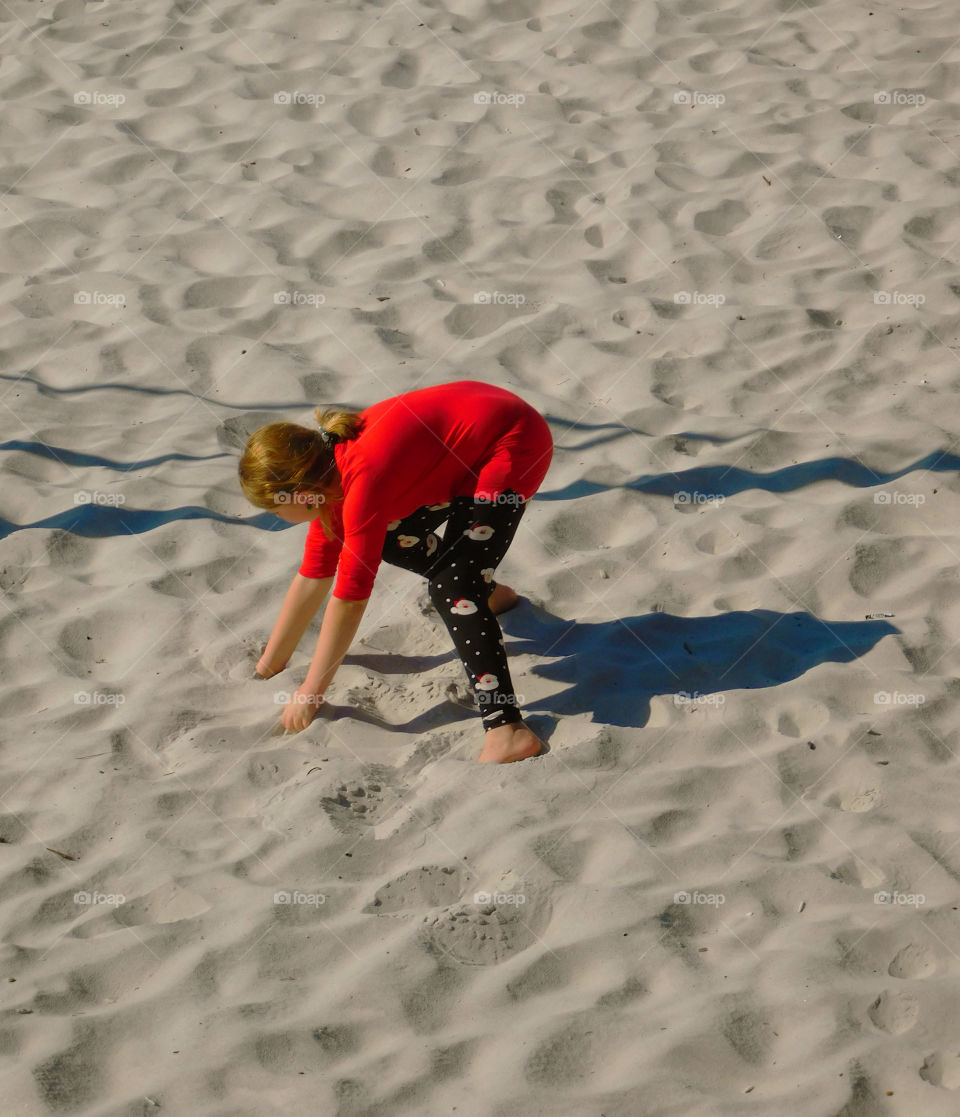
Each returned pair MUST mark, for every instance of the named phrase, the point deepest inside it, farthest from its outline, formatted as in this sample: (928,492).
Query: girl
(376,485)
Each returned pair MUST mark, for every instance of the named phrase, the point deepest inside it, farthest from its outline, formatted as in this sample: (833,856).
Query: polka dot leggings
(459,570)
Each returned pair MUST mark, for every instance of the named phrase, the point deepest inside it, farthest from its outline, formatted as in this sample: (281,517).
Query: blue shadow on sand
(721,480)
(98,521)
(78,458)
(101,520)
(613,668)
(53,391)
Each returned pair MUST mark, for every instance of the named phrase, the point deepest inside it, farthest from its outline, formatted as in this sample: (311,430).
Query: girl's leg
(476,539)
(412,543)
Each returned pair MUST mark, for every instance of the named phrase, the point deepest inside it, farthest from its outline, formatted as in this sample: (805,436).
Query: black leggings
(459,569)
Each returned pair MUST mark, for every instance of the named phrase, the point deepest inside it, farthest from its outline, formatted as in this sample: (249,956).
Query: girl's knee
(460,596)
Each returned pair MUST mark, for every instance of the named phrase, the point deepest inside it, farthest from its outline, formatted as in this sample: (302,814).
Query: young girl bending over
(375,485)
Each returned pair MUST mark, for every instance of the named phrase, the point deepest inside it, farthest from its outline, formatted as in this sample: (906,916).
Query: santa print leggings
(459,570)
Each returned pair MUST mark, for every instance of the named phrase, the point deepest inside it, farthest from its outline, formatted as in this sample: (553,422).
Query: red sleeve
(364,533)
(320,554)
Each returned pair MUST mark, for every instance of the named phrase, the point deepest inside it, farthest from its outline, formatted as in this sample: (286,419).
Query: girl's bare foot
(263,672)
(502,598)
(510,742)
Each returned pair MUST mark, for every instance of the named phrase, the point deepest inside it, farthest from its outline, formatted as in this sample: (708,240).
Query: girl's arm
(341,619)
(303,599)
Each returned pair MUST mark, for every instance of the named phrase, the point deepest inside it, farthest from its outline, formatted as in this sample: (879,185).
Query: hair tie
(329,437)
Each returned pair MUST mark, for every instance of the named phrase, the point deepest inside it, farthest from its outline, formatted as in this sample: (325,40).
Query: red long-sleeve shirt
(422,447)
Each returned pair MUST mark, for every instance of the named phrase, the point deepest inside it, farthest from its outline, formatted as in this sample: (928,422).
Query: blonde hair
(281,459)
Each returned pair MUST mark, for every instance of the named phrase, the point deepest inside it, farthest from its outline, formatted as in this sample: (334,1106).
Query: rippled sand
(716,244)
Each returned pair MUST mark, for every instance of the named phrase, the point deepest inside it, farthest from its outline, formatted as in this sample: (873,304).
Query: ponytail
(344,424)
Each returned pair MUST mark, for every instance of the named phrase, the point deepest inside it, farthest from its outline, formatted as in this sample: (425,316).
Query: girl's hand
(300,710)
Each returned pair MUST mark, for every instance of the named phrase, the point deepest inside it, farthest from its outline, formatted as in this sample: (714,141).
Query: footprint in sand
(912,961)
(273,769)
(894,1012)
(860,801)
(431,886)
(942,1069)
(357,806)
(478,935)
(15,828)
(167,904)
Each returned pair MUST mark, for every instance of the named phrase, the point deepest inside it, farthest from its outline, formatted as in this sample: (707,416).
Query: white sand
(782,796)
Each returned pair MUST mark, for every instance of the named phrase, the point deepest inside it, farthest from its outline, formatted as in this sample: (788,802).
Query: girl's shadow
(614,667)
